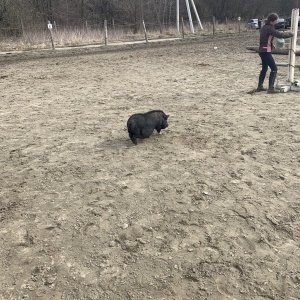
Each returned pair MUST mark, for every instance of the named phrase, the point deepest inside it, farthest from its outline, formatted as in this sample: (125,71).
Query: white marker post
(239,20)
(51,37)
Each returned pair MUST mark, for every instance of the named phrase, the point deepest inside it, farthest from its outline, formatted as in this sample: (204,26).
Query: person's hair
(271,18)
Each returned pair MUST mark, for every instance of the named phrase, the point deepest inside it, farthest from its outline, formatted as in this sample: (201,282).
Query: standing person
(267,33)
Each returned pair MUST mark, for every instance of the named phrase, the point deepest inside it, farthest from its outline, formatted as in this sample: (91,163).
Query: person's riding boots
(272,78)
(261,80)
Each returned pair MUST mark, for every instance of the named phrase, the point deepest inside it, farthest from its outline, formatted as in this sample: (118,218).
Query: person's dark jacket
(267,33)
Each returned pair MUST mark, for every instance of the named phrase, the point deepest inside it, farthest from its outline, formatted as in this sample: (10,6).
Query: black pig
(142,125)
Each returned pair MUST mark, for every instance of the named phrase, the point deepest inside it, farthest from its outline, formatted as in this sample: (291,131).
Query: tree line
(17,13)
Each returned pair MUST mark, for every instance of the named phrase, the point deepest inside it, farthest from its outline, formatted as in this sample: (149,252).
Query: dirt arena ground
(207,210)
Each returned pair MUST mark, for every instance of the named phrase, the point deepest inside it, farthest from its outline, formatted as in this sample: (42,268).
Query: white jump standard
(291,84)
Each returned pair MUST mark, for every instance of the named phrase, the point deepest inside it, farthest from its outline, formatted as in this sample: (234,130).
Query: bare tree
(131,12)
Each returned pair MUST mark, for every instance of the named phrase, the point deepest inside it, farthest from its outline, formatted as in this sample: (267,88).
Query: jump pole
(291,83)
(293,44)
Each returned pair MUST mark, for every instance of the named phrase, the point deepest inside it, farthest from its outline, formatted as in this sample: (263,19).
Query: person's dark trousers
(267,60)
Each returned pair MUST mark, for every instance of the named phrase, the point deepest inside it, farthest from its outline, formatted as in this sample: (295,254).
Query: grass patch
(64,37)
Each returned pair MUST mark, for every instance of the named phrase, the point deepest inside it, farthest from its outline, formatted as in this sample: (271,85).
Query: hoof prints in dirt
(207,211)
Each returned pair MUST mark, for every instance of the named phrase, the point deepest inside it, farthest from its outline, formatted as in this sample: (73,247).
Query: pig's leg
(158,129)
(133,137)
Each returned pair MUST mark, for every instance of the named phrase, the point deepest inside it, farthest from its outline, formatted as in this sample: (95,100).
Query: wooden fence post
(105,32)
(22,26)
(145,32)
(114,28)
(182,27)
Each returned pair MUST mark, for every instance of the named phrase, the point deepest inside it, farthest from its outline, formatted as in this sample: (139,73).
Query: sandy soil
(207,210)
